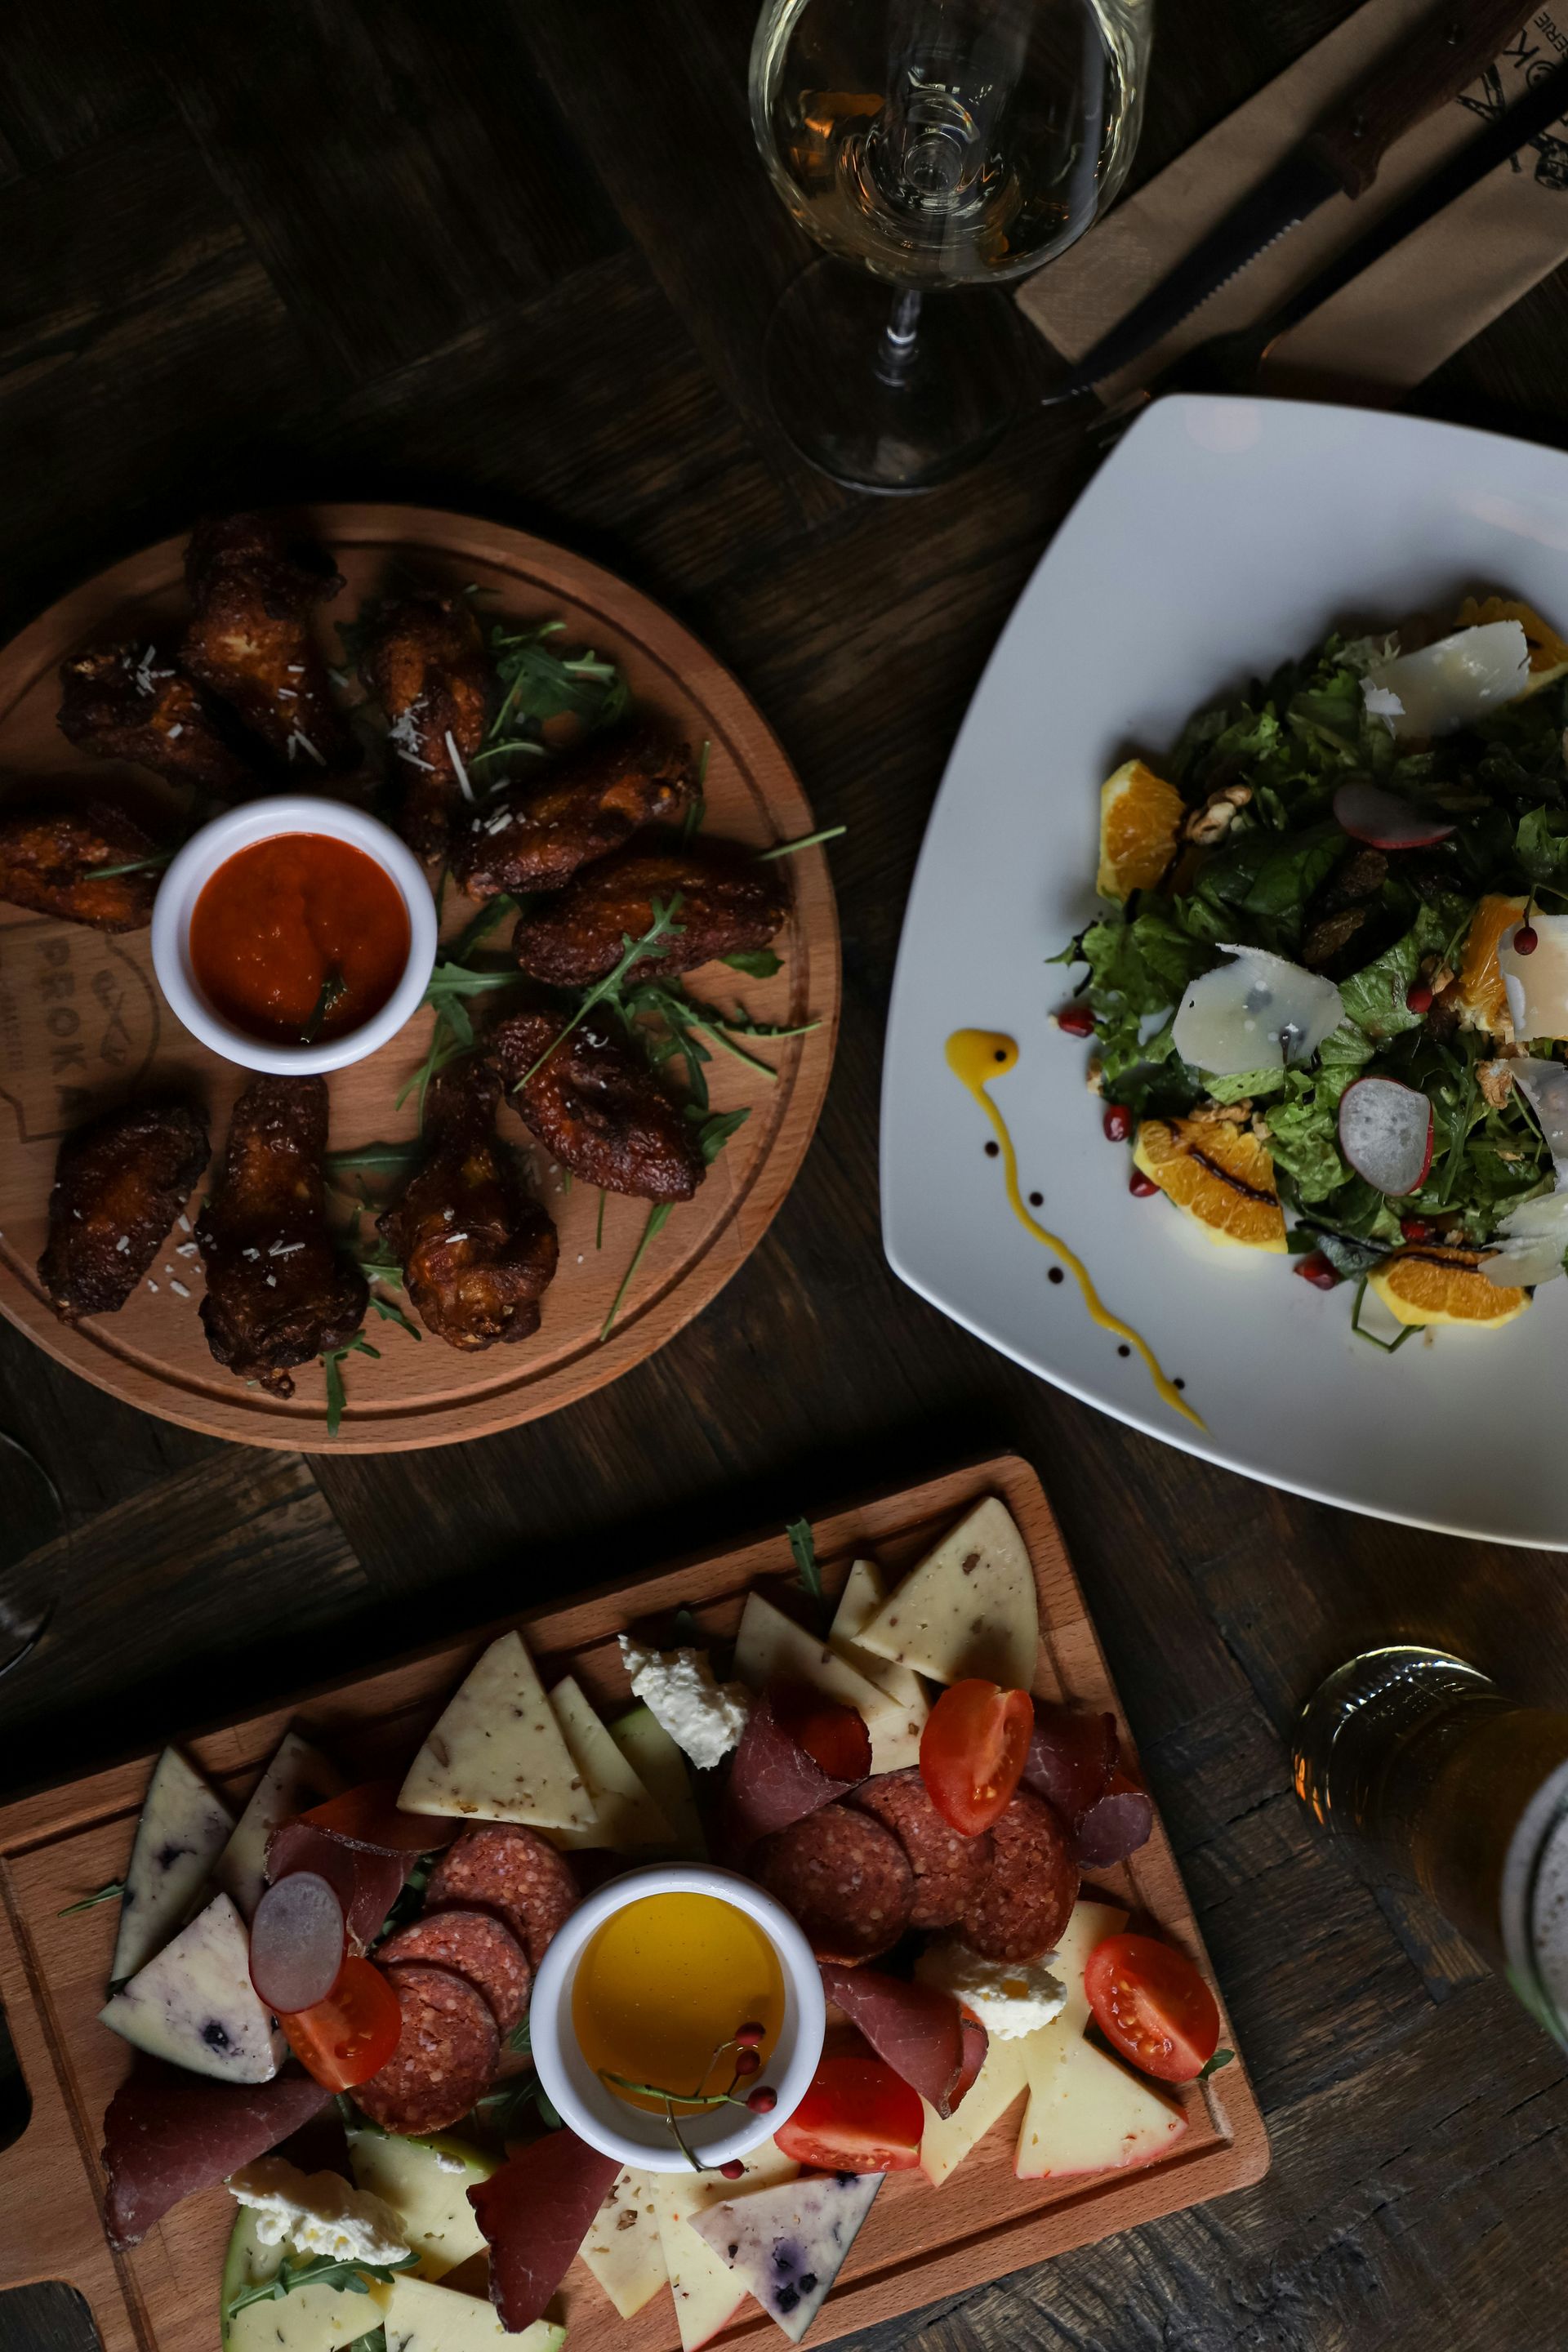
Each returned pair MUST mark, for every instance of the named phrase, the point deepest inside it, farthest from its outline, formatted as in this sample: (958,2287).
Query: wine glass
(35,1551)
(945,147)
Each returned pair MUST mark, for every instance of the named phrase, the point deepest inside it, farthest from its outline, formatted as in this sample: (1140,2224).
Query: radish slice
(1368,814)
(298,1939)
(1385,1133)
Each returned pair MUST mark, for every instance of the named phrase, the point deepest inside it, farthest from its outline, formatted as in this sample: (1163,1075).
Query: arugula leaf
(316,2270)
(1374,997)
(110,1893)
(331,1364)
(392,1313)
(757,964)
(714,1133)
(657,940)
(1271,877)
(802,1544)
(657,1218)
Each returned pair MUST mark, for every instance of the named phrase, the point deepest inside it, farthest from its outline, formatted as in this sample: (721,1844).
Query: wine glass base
(882,415)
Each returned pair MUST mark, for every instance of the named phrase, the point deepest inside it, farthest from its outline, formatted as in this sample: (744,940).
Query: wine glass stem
(897,353)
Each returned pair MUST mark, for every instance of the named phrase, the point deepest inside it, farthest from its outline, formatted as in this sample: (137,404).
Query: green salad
(1388,818)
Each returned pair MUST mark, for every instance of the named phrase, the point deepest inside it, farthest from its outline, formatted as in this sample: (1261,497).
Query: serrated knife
(1422,72)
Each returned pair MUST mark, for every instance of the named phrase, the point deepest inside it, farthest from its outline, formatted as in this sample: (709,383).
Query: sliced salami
(473,1944)
(1027,1897)
(950,1869)
(446,2056)
(513,1872)
(844,1878)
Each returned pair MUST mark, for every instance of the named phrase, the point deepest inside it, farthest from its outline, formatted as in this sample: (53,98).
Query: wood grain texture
(85,1026)
(919,2244)
(168,340)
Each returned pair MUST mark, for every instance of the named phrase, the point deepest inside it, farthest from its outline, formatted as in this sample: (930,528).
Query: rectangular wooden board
(920,2244)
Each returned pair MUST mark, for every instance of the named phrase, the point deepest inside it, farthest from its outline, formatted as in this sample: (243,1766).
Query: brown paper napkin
(1405,314)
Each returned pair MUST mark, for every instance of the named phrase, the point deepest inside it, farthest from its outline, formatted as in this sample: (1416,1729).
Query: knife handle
(1445,54)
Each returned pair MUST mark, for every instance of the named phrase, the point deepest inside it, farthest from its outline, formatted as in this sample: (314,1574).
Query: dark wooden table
(515,256)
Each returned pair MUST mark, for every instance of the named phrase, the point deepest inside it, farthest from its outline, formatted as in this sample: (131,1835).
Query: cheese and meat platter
(775,1943)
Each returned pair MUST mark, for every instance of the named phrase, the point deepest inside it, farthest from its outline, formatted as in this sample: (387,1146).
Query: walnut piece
(1208,824)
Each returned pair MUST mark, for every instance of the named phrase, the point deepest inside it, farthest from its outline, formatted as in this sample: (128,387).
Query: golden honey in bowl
(661,1989)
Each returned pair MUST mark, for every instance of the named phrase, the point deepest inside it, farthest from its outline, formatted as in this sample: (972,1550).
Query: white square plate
(1221,538)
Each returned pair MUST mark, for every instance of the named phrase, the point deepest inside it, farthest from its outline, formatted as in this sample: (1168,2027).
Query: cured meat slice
(1027,1898)
(950,1869)
(1116,1825)
(535,2211)
(366,1884)
(169,2133)
(1071,1758)
(915,2027)
(475,1945)
(447,2057)
(370,1816)
(511,1871)
(977,2042)
(773,1780)
(844,1878)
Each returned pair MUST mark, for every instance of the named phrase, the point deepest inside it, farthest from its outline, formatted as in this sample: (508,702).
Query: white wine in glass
(944,147)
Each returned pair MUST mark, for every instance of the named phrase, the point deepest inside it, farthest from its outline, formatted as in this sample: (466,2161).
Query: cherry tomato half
(349,2036)
(857,2117)
(973,1750)
(834,1737)
(1151,2005)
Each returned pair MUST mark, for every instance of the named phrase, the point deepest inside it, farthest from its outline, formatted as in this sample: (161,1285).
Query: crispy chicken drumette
(597,1108)
(132,702)
(574,937)
(425,663)
(120,1184)
(280,1292)
(534,836)
(478,1252)
(48,857)
(253,593)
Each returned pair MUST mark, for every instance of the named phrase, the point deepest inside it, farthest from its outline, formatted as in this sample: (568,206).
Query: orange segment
(1548,651)
(1219,1174)
(1140,818)
(1482,999)
(1433,1285)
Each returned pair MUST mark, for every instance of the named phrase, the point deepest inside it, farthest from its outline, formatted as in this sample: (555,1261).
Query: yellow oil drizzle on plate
(975,1055)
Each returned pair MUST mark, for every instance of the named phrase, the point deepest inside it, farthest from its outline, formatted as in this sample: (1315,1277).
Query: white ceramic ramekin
(715,2135)
(241,828)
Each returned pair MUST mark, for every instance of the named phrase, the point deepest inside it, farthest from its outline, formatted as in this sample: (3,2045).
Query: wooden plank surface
(920,2242)
(168,337)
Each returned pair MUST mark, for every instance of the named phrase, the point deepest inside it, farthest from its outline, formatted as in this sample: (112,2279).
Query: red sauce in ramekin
(279,918)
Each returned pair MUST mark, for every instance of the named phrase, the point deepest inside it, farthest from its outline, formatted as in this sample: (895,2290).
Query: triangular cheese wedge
(969,1608)
(194,2004)
(1086,2112)
(183,1830)
(772,1648)
(707,2293)
(497,1752)
(298,1776)
(661,1767)
(625,1814)
(944,2143)
(864,1595)
(787,2245)
(624,2248)
(422,2317)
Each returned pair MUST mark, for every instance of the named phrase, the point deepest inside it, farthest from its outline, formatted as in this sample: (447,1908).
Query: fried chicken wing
(478,1252)
(253,593)
(534,836)
(597,1108)
(279,1290)
(132,702)
(118,1185)
(575,937)
(48,858)
(425,663)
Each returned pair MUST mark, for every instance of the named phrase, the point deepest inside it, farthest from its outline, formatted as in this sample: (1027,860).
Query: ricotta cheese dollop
(1010,1997)
(705,1718)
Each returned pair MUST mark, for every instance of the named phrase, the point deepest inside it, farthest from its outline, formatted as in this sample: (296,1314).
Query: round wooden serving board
(82,1026)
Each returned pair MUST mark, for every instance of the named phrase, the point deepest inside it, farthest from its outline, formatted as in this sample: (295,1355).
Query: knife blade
(1340,157)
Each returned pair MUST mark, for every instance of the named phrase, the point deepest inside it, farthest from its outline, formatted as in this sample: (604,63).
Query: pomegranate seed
(1418,997)
(1118,1122)
(1526,940)
(750,2031)
(733,2170)
(1140,1186)
(1315,1268)
(1077,1021)
(763,2100)
(747,2060)
(1415,1229)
